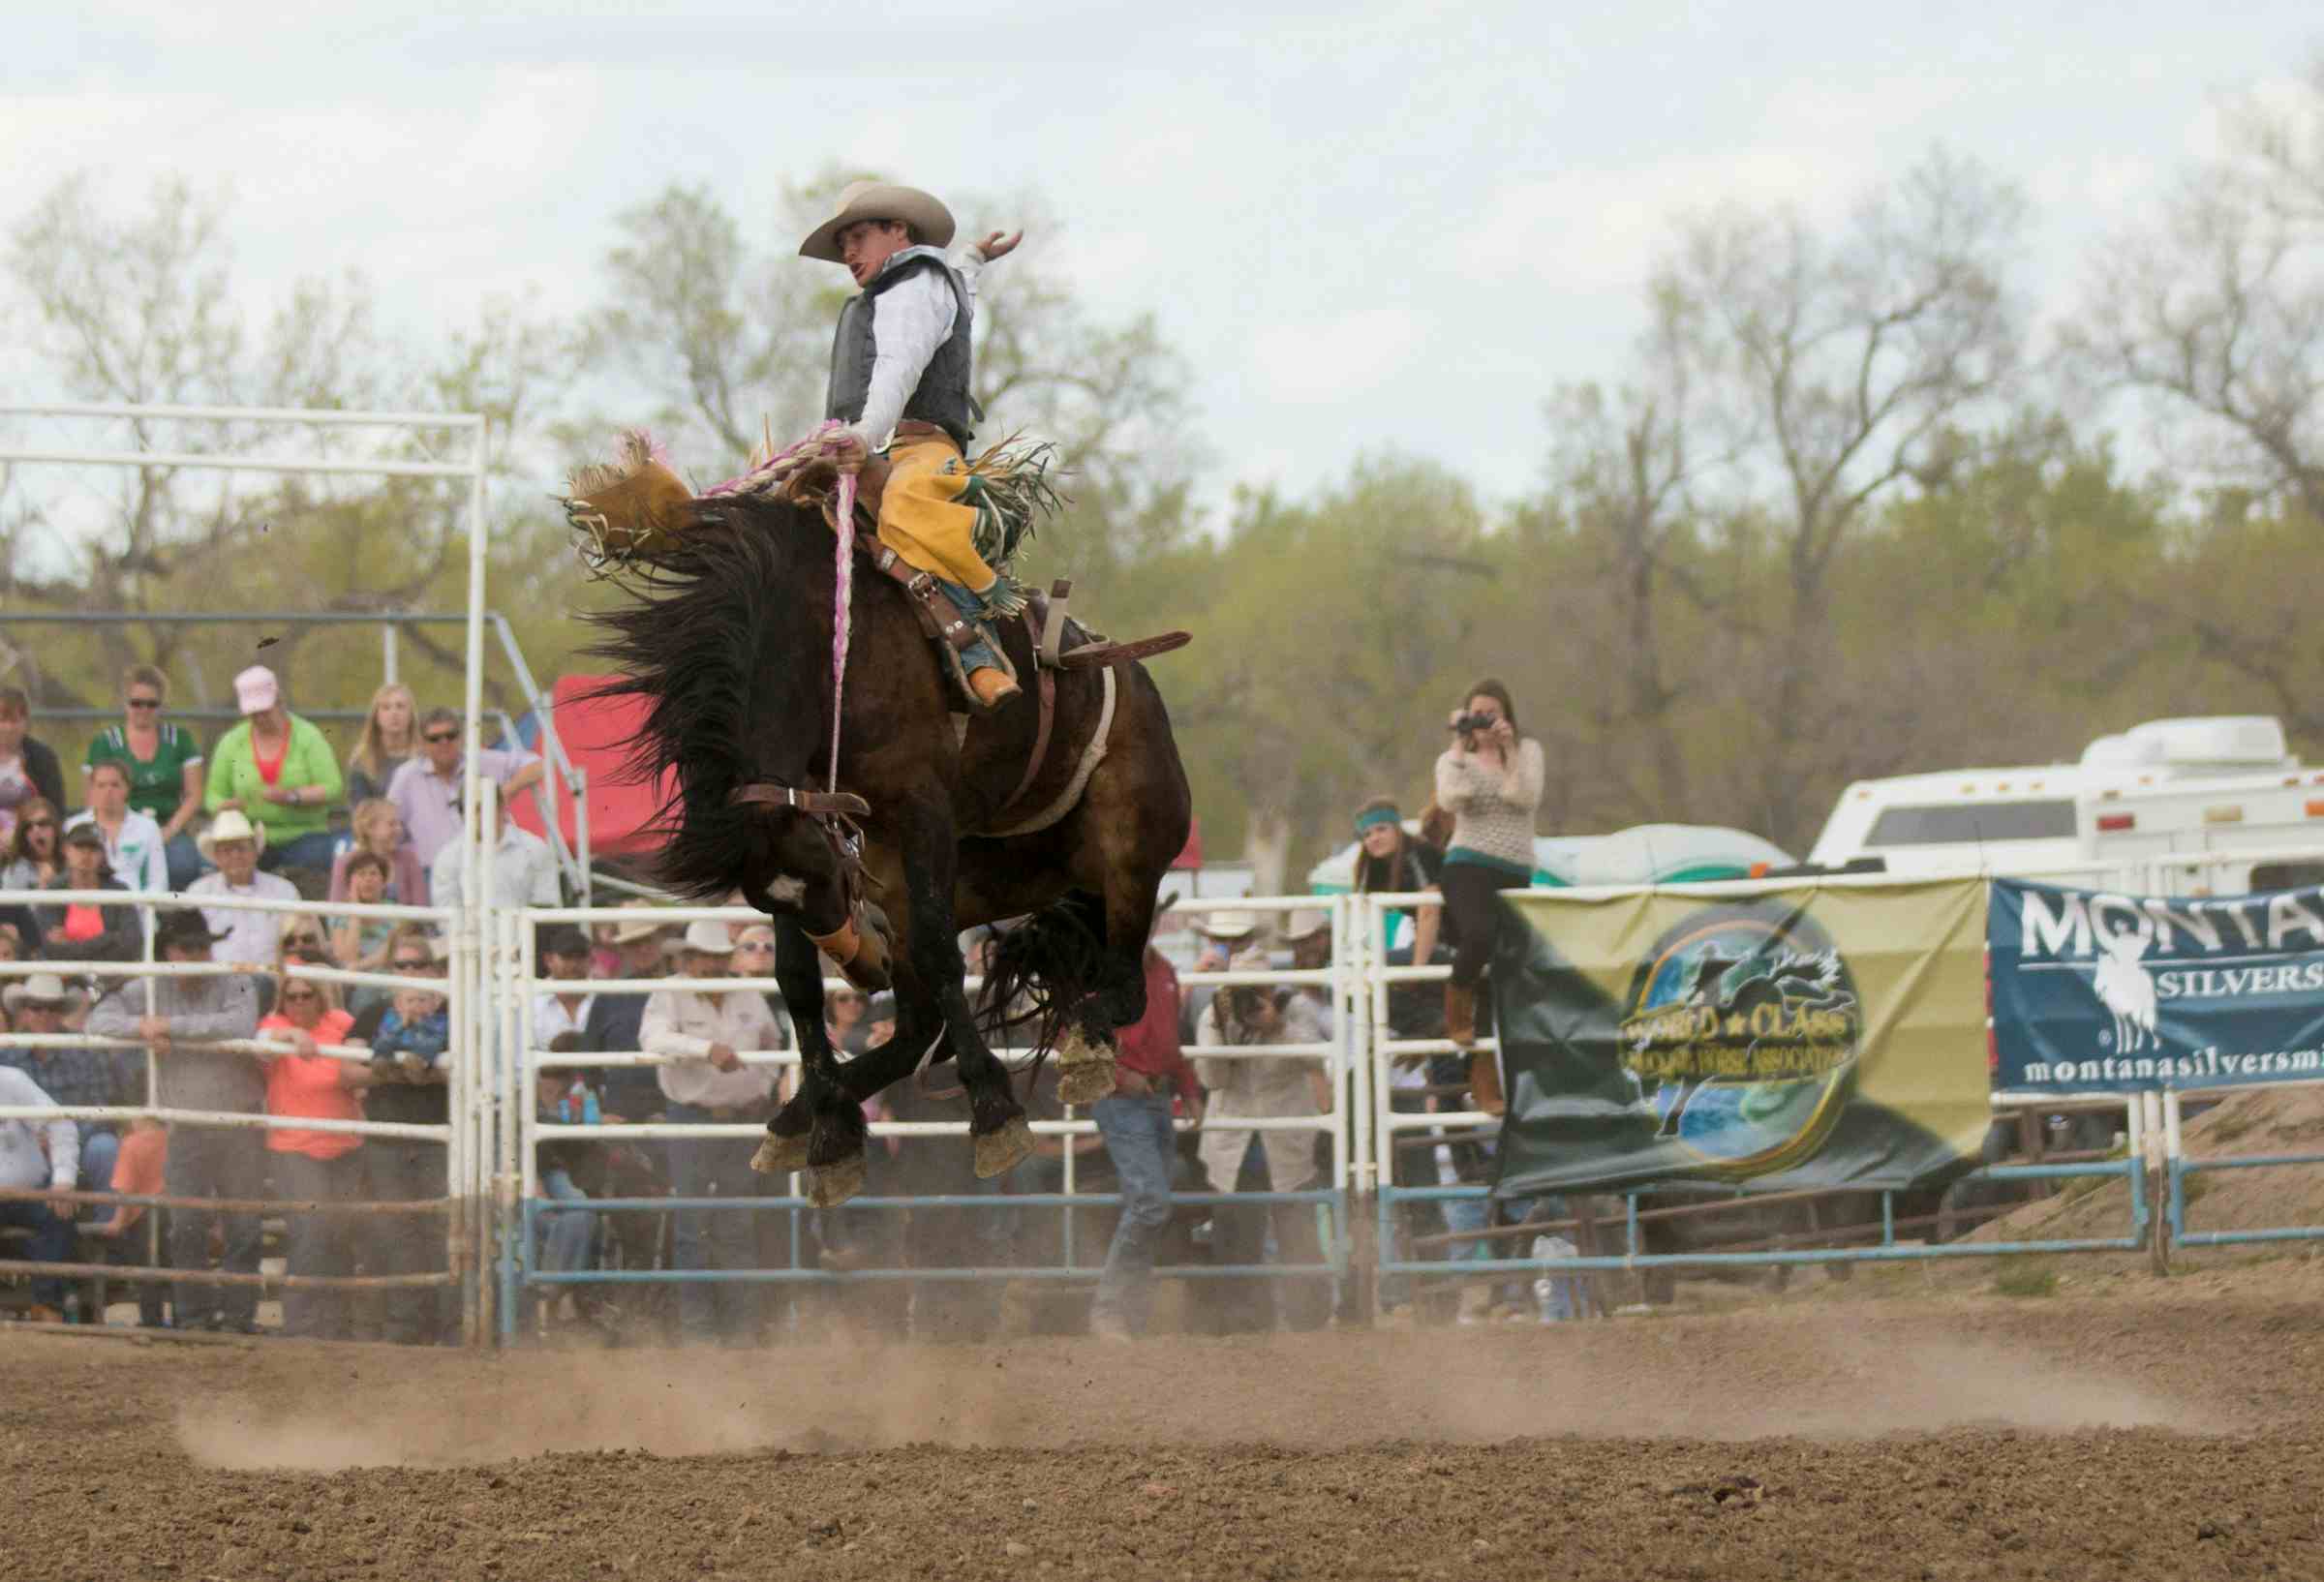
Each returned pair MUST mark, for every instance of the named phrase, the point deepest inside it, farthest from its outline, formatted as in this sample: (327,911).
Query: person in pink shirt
(314,1166)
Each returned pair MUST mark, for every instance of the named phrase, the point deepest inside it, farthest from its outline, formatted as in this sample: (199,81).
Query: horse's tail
(1042,969)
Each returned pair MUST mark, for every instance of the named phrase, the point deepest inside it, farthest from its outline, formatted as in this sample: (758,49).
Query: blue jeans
(1142,1145)
(311,849)
(216,1162)
(185,860)
(561,1237)
(52,1243)
(979,654)
(99,1150)
(724,1238)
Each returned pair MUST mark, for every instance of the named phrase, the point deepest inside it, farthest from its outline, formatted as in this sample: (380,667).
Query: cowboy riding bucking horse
(984,758)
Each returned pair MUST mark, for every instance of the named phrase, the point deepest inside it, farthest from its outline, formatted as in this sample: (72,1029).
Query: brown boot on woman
(1461,1015)
(1485,1082)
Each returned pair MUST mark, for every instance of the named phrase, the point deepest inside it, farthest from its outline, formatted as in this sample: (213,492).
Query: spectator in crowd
(306,941)
(140,1171)
(28,767)
(132,842)
(1491,780)
(360,944)
(563,951)
(390,740)
(427,789)
(233,843)
(314,1166)
(1392,862)
(277,771)
(524,869)
(947,1238)
(1261,1087)
(204,1161)
(379,828)
(77,931)
(29,859)
(164,764)
(1136,1123)
(35,1155)
(706,1084)
(1307,934)
(74,1079)
(410,1067)
(613,1023)
(1222,934)
(843,1020)
(562,1234)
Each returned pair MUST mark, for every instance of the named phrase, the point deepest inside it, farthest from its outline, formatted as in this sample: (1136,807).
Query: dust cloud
(1726,1380)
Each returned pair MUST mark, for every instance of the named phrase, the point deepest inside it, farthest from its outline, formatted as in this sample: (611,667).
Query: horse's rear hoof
(1086,1080)
(999,1153)
(779,1155)
(830,1185)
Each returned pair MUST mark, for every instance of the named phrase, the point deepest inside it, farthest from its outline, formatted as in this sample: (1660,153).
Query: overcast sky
(1366,225)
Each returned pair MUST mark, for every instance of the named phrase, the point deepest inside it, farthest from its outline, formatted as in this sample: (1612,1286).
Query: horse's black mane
(693,643)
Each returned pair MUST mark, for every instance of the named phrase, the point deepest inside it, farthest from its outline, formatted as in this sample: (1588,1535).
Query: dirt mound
(1878,1440)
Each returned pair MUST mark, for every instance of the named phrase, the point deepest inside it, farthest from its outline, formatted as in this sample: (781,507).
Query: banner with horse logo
(1803,1037)
(2099,993)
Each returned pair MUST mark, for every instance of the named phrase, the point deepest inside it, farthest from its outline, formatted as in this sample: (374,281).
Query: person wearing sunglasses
(427,789)
(314,1166)
(164,764)
(30,858)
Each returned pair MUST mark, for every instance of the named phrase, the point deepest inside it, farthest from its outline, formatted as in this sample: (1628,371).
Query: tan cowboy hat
(1305,924)
(708,939)
(628,931)
(1227,927)
(230,825)
(48,990)
(931,220)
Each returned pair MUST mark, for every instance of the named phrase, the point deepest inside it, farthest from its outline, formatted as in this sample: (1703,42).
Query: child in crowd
(138,1173)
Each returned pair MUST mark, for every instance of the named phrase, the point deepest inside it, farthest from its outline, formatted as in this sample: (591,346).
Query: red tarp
(1192,856)
(596,735)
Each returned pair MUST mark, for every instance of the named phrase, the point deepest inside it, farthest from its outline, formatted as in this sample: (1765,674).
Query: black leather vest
(942,395)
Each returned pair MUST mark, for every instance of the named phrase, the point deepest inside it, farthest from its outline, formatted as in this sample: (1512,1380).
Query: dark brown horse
(729,638)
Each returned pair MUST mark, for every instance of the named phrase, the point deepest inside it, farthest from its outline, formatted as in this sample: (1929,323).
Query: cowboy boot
(1485,1082)
(993,688)
(1461,1015)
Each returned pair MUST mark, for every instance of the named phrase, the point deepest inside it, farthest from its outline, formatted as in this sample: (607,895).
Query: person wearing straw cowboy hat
(1222,933)
(187,1013)
(899,377)
(233,843)
(40,1005)
(705,1032)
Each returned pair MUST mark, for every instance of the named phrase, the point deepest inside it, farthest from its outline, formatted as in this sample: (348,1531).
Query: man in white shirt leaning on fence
(23,1167)
(708,1084)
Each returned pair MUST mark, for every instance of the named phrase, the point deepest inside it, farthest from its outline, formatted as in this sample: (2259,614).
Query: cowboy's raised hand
(999,246)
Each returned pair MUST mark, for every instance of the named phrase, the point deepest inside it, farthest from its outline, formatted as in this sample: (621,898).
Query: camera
(1474,725)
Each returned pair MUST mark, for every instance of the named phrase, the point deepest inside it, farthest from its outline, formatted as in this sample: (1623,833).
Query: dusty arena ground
(2118,1426)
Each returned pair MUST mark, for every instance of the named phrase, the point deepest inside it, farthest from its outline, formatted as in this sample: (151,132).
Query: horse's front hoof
(1086,1080)
(999,1153)
(779,1155)
(830,1185)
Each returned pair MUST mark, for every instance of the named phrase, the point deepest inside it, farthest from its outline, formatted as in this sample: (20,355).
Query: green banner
(1806,1037)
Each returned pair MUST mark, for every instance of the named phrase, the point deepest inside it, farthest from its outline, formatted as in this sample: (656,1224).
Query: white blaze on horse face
(787,890)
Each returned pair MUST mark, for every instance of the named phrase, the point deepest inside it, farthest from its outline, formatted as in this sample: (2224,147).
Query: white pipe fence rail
(494,1130)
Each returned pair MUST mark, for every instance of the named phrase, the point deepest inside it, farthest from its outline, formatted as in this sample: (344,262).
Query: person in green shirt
(278,770)
(163,761)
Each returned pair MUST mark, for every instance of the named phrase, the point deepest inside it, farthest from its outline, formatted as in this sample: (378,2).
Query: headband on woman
(1372,817)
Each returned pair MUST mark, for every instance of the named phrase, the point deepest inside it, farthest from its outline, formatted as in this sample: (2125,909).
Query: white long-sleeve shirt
(23,1167)
(138,858)
(524,872)
(909,321)
(686,1024)
(251,938)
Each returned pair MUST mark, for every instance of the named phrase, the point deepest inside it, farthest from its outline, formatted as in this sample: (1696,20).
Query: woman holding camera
(1489,780)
